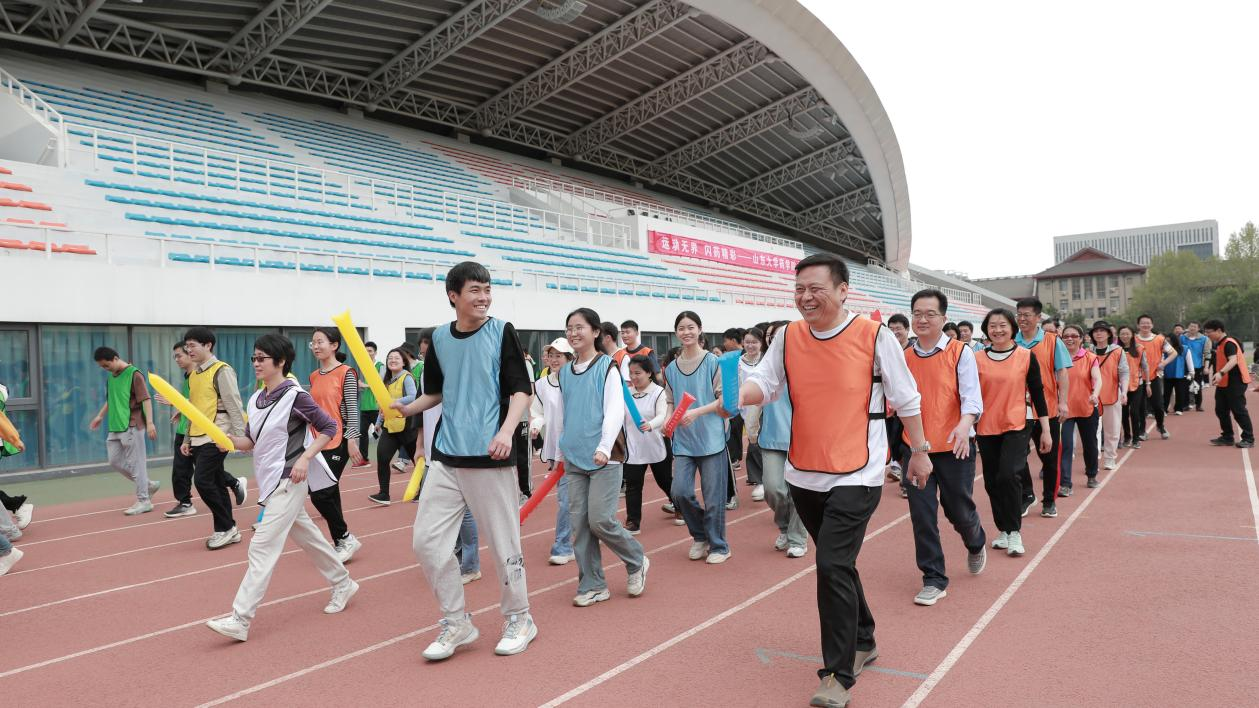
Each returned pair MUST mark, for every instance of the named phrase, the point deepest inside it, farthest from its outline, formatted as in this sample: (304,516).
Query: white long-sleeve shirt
(613,407)
(967,378)
(897,389)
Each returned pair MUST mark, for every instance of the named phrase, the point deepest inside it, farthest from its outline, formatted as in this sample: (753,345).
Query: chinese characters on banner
(674,245)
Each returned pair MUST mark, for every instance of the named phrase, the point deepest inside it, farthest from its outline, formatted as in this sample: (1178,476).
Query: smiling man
(844,370)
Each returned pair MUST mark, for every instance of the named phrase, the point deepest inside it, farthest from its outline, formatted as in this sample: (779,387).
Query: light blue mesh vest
(707,435)
(470,389)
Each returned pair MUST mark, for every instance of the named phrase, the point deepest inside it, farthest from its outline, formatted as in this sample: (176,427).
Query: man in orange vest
(844,369)
(1053,359)
(948,379)
(1230,379)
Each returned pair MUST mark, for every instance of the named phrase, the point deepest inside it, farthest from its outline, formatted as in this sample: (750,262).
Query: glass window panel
(152,349)
(15,362)
(74,390)
(27,424)
(304,363)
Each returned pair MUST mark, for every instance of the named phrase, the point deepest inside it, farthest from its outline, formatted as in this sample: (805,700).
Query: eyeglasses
(576,330)
(1070,336)
(924,316)
(257,359)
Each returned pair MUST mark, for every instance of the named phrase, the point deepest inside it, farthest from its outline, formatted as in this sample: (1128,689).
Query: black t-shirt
(513,377)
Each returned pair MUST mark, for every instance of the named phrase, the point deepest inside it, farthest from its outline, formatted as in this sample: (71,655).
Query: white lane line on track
(403,637)
(964,644)
(1250,487)
(678,638)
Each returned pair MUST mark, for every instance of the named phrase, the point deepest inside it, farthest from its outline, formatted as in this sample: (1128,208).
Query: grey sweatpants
(286,518)
(592,501)
(492,494)
(128,456)
(774,464)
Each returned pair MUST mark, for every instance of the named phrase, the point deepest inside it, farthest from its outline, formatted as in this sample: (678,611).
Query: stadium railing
(49,115)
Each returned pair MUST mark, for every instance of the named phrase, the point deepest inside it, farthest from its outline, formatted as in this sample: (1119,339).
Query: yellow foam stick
(366,366)
(194,416)
(413,488)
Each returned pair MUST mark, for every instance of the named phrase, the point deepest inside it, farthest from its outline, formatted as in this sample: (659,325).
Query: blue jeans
(8,531)
(563,545)
(706,523)
(1088,434)
(469,556)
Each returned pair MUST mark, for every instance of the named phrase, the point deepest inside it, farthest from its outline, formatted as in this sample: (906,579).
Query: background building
(1140,245)
(1089,283)
(1010,286)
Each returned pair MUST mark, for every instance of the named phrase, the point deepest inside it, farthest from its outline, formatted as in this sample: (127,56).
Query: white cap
(560,345)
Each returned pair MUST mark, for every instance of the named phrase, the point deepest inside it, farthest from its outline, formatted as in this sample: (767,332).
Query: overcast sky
(1022,121)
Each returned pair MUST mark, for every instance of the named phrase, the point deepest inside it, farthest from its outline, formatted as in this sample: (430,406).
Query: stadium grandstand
(258,166)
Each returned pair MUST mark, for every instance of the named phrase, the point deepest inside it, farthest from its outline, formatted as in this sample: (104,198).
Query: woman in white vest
(287,465)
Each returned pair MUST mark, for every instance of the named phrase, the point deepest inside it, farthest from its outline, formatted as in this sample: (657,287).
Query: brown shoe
(831,694)
(863,658)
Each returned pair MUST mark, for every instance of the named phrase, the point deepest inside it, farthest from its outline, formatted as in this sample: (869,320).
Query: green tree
(1174,284)
(1244,244)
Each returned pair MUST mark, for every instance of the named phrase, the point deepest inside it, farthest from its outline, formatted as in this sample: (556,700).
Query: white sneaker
(699,549)
(453,635)
(758,493)
(10,560)
(780,543)
(346,547)
(230,626)
(470,576)
(341,595)
(220,539)
(23,515)
(1002,541)
(518,631)
(715,558)
(140,507)
(590,597)
(400,465)
(1110,465)
(668,508)
(732,504)
(1015,544)
(796,552)
(561,559)
(638,581)
(678,520)
(154,485)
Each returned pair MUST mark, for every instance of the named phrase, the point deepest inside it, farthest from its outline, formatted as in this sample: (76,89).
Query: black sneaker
(632,527)
(1222,442)
(1143,436)
(180,510)
(1049,511)
(1064,491)
(1027,504)
(1093,483)
(1246,444)
(1164,434)
(1136,444)
(1125,443)
(381,499)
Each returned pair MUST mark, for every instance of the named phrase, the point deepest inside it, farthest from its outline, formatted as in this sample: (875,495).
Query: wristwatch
(924,447)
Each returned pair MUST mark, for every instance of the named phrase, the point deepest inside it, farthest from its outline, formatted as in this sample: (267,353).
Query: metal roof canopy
(662,92)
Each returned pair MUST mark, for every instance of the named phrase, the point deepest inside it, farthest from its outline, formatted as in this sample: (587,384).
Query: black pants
(1003,456)
(836,521)
(662,471)
(213,482)
(181,473)
(896,438)
(754,466)
(1179,387)
(11,503)
(1134,414)
(1050,463)
(735,442)
(1230,400)
(1154,404)
(389,445)
(328,500)
(1202,377)
(524,454)
(365,421)
(951,485)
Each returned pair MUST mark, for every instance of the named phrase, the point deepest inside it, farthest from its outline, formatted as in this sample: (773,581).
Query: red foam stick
(687,401)
(540,493)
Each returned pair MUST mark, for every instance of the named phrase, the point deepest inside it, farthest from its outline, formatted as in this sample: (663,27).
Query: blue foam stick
(729,364)
(633,407)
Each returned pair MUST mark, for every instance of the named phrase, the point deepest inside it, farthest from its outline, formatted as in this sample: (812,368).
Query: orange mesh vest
(1003,385)
(1081,386)
(936,376)
(831,382)
(1110,377)
(1221,361)
(1134,370)
(1044,351)
(1153,353)
(327,390)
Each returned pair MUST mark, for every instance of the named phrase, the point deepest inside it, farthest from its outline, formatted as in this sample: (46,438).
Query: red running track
(1137,594)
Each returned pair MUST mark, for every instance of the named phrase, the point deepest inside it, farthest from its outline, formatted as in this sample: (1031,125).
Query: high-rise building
(1140,245)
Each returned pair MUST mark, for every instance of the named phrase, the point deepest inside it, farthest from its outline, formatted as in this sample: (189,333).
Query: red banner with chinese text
(673,245)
